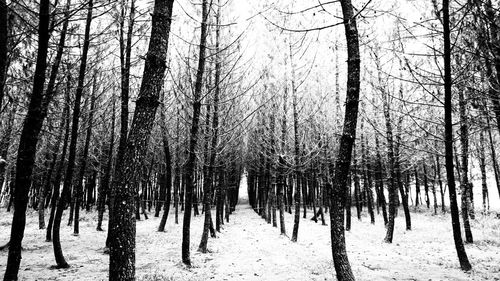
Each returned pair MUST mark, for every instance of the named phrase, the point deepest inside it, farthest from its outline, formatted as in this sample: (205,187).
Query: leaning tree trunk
(60,260)
(448,139)
(337,199)
(122,226)
(27,145)
(51,89)
(57,181)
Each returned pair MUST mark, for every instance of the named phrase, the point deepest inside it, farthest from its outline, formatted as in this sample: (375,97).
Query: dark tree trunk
(103,190)
(27,144)
(380,183)
(337,199)
(83,164)
(464,182)
(357,186)
(208,180)
(56,184)
(482,166)
(166,180)
(60,260)
(448,83)
(122,225)
(399,182)
(298,175)
(367,181)
(426,187)
(191,162)
(5,143)
(440,182)
(4,20)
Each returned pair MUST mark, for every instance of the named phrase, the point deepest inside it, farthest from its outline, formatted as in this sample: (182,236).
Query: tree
(65,193)
(448,139)
(27,144)
(122,224)
(343,161)
(193,139)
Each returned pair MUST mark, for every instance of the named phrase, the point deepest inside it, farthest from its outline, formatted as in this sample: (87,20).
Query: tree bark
(464,183)
(122,227)
(337,199)
(27,145)
(83,164)
(191,162)
(448,83)
(59,257)
(56,184)
(4,21)
(103,190)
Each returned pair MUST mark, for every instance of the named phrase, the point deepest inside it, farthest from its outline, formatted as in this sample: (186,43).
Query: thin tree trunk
(448,83)
(57,181)
(337,199)
(4,31)
(191,162)
(103,191)
(60,260)
(298,175)
(83,164)
(399,182)
(380,182)
(482,166)
(464,183)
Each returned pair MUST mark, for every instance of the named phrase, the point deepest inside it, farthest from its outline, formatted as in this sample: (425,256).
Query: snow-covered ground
(250,249)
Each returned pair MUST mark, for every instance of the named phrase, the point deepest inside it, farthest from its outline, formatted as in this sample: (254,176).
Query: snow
(250,249)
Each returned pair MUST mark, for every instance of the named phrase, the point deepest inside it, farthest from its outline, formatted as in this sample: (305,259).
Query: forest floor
(250,249)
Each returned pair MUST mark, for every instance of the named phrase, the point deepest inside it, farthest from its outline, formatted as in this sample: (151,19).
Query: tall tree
(26,154)
(448,140)
(337,197)
(193,139)
(4,20)
(122,225)
(60,260)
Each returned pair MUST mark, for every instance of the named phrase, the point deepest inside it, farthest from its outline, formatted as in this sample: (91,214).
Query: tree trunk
(27,145)
(337,199)
(191,162)
(298,175)
(83,164)
(60,260)
(448,83)
(103,191)
(166,176)
(57,181)
(122,225)
(464,183)
(380,182)
(399,182)
(4,21)
(482,166)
